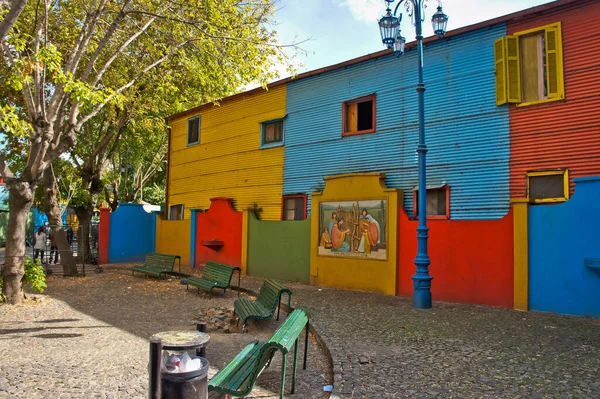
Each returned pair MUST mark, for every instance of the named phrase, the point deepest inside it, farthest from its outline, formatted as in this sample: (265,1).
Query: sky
(335,31)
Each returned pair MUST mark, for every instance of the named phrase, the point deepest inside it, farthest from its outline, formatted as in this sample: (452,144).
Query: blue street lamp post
(389,26)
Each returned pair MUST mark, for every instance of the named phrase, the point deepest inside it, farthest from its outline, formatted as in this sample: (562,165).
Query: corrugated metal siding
(228,162)
(467,134)
(562,134)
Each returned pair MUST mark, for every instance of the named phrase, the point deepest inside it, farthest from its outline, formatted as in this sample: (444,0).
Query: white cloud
(363,10)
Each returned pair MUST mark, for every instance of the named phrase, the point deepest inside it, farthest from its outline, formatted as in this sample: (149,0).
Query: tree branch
(9,20)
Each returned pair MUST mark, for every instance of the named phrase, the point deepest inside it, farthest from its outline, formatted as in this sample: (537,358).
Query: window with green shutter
(528,66)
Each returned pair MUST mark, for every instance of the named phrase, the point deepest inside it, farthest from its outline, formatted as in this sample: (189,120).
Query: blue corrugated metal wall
(132,234)
(466,133)
(564,255)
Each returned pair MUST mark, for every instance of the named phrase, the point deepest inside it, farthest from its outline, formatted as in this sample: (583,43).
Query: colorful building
(314,179)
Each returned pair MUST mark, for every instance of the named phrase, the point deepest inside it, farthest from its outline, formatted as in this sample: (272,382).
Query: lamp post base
(421,292)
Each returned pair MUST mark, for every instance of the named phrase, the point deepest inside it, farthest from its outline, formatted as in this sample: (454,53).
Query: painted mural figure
(326,239)
(338,237)
(365,241)
(374,229)
(332,222)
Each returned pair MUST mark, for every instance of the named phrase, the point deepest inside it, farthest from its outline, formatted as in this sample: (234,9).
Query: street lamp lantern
(399,45)
(389,26)
(439,20)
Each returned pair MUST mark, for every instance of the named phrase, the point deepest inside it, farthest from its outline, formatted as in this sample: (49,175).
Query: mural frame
(365,238)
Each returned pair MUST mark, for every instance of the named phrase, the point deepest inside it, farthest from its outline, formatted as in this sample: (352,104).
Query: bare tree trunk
(19,202)
(54,217)
(84,216)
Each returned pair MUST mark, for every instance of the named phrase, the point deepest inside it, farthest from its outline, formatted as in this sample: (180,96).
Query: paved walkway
(380,347)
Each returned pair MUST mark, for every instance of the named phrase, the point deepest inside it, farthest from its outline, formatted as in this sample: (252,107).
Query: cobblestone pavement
(379,346)
(89,338)
(382,348)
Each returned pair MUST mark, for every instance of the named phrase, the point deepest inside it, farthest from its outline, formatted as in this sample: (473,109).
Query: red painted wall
(220,222)
(561,134)
(103,234)
(471,260)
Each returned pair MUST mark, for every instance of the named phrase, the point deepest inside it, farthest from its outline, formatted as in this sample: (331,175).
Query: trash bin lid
(182,339)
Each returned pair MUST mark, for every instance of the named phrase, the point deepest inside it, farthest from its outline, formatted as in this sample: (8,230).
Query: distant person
(53,249)
(40,244)
(69,235)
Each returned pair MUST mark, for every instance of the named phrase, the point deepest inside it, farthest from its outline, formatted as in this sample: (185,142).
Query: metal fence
(49,254)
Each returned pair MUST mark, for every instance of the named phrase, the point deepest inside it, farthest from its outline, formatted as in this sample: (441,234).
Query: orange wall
(562,134)
(471,260)
(220,222)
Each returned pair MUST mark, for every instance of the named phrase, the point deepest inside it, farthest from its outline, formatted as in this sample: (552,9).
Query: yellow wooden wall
(173,237)
(352,272)
(228,161)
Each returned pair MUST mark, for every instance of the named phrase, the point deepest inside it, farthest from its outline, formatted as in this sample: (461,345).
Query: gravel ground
(89,338)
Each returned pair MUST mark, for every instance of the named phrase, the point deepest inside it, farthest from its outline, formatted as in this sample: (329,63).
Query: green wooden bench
(157,264)
(215,275)
(239,376)
(264,306)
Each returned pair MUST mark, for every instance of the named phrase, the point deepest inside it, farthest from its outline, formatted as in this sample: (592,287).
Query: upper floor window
(272,133)
(437,202)
(529,66)
(548,186)
(176,212)
(358,116)
(293,207)
(193,132)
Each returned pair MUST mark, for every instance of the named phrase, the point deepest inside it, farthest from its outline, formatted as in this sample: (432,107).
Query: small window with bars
(272,133)
(193,133)
(548,186)
(294,207)
(437,202)
(176,212)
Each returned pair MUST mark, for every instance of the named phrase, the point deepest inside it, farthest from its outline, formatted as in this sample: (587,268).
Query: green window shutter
(554,63)
(500,71)
(513,69)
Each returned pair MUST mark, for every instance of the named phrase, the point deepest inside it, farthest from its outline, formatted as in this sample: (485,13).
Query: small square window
(548,186)
(358,116)
(294,207)
(272,133)
(176,212)
(193,134)
(437,202)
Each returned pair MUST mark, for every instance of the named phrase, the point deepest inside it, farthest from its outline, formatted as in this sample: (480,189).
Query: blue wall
(561,237)
(132,234)
(467,134)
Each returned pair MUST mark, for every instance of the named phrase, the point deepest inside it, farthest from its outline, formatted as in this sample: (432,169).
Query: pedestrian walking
(40,244)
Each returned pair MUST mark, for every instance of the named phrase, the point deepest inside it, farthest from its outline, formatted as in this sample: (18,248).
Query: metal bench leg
(305,346)
(278,307)
(283,361)
(294,367)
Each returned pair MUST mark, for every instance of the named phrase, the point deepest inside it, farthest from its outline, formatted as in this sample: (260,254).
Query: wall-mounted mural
(353,229)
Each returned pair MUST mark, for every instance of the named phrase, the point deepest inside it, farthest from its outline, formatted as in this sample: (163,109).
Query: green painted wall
(279,249)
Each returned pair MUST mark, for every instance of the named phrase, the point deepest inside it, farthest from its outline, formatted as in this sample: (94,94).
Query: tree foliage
(69,64)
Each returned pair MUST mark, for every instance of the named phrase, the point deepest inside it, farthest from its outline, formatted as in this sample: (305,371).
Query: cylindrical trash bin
(187,385)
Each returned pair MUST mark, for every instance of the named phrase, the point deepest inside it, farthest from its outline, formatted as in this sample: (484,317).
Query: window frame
(188,130)
(444,187)
(505,63)
(564,172)
(304,197)
(181,211)
(370,97)
(263,126)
